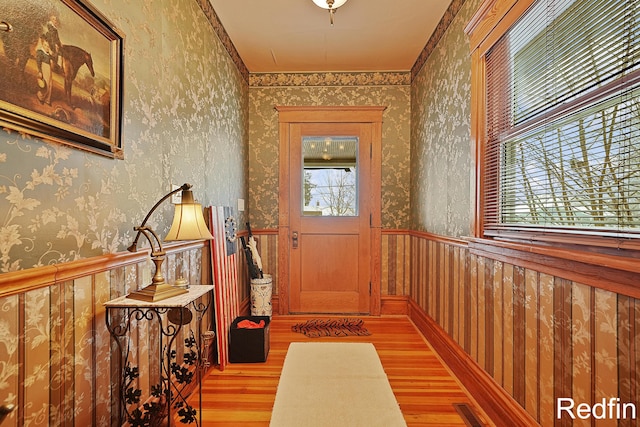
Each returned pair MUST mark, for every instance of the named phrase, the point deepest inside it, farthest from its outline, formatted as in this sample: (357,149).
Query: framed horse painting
(61,74)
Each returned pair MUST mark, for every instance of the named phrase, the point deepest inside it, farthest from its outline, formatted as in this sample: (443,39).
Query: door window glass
(330,178)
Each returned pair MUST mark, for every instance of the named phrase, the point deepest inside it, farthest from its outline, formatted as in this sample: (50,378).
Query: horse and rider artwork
(56,67)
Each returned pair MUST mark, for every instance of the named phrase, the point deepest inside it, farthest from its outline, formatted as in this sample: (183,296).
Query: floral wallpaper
(440,133)
(385,89)
(193,113)
(185,119)
(440,30)
(373,78)
(539,335)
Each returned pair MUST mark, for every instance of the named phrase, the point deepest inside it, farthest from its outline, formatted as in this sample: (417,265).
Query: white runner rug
(334,384)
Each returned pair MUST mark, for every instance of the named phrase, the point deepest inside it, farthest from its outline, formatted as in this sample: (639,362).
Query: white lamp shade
(188,223)
(323,3)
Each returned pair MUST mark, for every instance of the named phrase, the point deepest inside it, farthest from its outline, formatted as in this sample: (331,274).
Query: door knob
(294,238)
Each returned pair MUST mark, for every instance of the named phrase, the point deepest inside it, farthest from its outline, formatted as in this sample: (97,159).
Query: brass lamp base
(153,293)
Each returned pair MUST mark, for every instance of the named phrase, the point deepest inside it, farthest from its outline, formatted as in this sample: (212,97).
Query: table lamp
(188,224)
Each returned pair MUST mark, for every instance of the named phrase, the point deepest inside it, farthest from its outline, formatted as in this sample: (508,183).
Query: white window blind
(563,121)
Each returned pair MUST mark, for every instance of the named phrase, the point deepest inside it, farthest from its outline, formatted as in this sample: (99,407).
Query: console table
(177,365)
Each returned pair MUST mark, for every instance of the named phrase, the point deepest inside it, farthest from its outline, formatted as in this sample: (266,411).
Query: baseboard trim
(394,305)
(494,400)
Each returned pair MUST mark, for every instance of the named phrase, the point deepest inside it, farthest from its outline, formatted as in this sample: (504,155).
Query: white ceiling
(296,36)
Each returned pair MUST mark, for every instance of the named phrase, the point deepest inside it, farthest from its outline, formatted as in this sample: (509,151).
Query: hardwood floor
(243,394)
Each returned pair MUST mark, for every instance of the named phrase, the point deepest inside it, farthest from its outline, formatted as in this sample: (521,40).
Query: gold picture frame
(61,73)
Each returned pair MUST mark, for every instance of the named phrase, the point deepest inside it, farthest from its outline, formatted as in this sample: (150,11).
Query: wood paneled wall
(396,251)
(395,255)
(58,362)
(539,336)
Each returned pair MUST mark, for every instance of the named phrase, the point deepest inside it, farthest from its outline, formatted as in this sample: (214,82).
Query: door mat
(331,328)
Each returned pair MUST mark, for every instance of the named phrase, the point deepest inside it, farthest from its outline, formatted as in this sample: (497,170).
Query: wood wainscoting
(536,332)
(57,359)
(500,407)
(529,322)
(395,271)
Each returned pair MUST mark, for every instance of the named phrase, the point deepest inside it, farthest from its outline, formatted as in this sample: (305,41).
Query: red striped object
(225,276)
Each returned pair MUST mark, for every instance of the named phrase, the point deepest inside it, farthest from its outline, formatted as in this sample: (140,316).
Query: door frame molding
(288,115)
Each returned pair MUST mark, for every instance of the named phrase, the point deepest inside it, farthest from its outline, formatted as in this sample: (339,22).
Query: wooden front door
(330,216)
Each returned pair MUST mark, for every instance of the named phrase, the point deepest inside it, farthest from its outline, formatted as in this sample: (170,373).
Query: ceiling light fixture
(331,5)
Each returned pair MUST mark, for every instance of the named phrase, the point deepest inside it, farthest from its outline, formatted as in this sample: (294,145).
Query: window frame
(556,251)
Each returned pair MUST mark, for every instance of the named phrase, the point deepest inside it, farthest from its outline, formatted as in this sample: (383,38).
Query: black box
(249,345)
